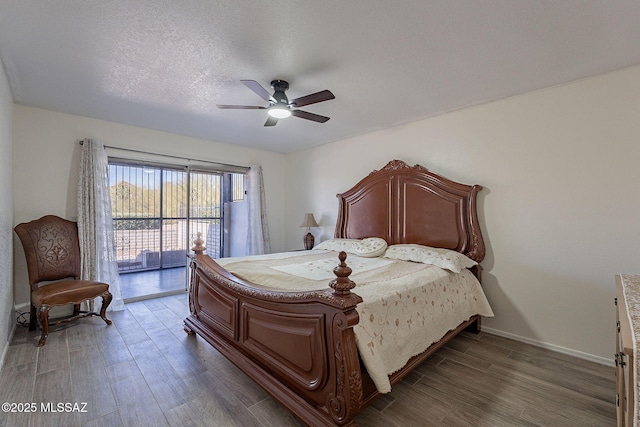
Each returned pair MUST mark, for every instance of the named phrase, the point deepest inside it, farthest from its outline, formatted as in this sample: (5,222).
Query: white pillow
(347,245)
(443,258)
(371,247)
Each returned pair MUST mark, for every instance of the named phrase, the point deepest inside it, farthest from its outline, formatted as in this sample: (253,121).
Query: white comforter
(406,306)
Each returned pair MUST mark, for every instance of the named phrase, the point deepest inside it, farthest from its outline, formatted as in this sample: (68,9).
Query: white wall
(559,209)
(47,156)
(6,213)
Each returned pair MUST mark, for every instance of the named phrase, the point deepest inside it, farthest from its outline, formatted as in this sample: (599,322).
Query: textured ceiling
(165,64)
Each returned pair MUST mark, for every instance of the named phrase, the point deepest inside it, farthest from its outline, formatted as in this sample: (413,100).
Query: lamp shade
(309,221)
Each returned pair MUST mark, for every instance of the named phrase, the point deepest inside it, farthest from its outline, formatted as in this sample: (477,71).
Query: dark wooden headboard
(409,204)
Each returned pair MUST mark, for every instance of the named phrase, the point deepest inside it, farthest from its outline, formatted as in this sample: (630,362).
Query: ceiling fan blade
(323,95)
(241,107)
(309,116)
(258,89)
(271,121)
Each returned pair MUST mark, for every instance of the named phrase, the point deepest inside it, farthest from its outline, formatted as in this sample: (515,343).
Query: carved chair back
(52,249)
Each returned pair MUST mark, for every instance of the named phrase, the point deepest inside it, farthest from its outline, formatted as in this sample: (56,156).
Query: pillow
(338,245)
(443,258)
(370,247)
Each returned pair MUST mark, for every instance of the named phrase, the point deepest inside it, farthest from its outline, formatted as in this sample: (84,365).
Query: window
(158,209)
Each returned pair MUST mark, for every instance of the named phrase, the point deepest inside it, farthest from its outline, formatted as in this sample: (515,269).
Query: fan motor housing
(279,87)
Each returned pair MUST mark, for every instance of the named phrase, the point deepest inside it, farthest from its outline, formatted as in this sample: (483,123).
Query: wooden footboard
(300,347)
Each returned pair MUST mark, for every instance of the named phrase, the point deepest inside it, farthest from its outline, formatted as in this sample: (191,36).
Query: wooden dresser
(627,330)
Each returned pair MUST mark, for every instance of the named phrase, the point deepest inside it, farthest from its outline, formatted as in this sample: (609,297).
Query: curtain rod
(171,156)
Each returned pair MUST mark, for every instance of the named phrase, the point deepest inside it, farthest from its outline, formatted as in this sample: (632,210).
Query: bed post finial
(198,248)
(342,285)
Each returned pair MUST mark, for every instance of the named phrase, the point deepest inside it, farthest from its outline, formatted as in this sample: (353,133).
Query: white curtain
(95,223)
(258,241)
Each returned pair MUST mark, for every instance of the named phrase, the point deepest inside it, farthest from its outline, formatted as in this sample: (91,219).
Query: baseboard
(21,307)
(552,347)
(6,345)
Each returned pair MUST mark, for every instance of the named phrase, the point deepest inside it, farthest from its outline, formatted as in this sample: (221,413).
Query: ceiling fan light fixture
(279,105)
(279,112)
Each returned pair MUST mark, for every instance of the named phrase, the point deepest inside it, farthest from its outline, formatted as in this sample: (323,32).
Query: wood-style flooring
(145,371)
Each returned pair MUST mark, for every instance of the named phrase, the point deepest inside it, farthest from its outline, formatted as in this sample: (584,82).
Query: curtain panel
(258,240)
(95,222)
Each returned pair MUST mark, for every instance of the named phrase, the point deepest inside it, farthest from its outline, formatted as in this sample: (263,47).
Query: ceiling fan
(279,106)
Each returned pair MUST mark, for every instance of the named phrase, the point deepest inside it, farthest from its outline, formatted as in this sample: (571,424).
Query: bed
(300,345)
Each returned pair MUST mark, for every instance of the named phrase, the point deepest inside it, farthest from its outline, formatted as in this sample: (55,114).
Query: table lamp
(309,221)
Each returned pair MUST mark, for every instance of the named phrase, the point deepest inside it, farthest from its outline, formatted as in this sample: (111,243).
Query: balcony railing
(151,243)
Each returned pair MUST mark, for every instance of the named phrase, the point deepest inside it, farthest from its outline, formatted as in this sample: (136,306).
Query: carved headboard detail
(409,204)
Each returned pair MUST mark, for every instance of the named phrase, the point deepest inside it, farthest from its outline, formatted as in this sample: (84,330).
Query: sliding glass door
(158,211)
(149,205)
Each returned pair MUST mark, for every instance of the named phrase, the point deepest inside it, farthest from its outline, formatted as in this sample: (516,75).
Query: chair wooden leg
(43,315)
(33,320)
(76,309)
(106,300)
